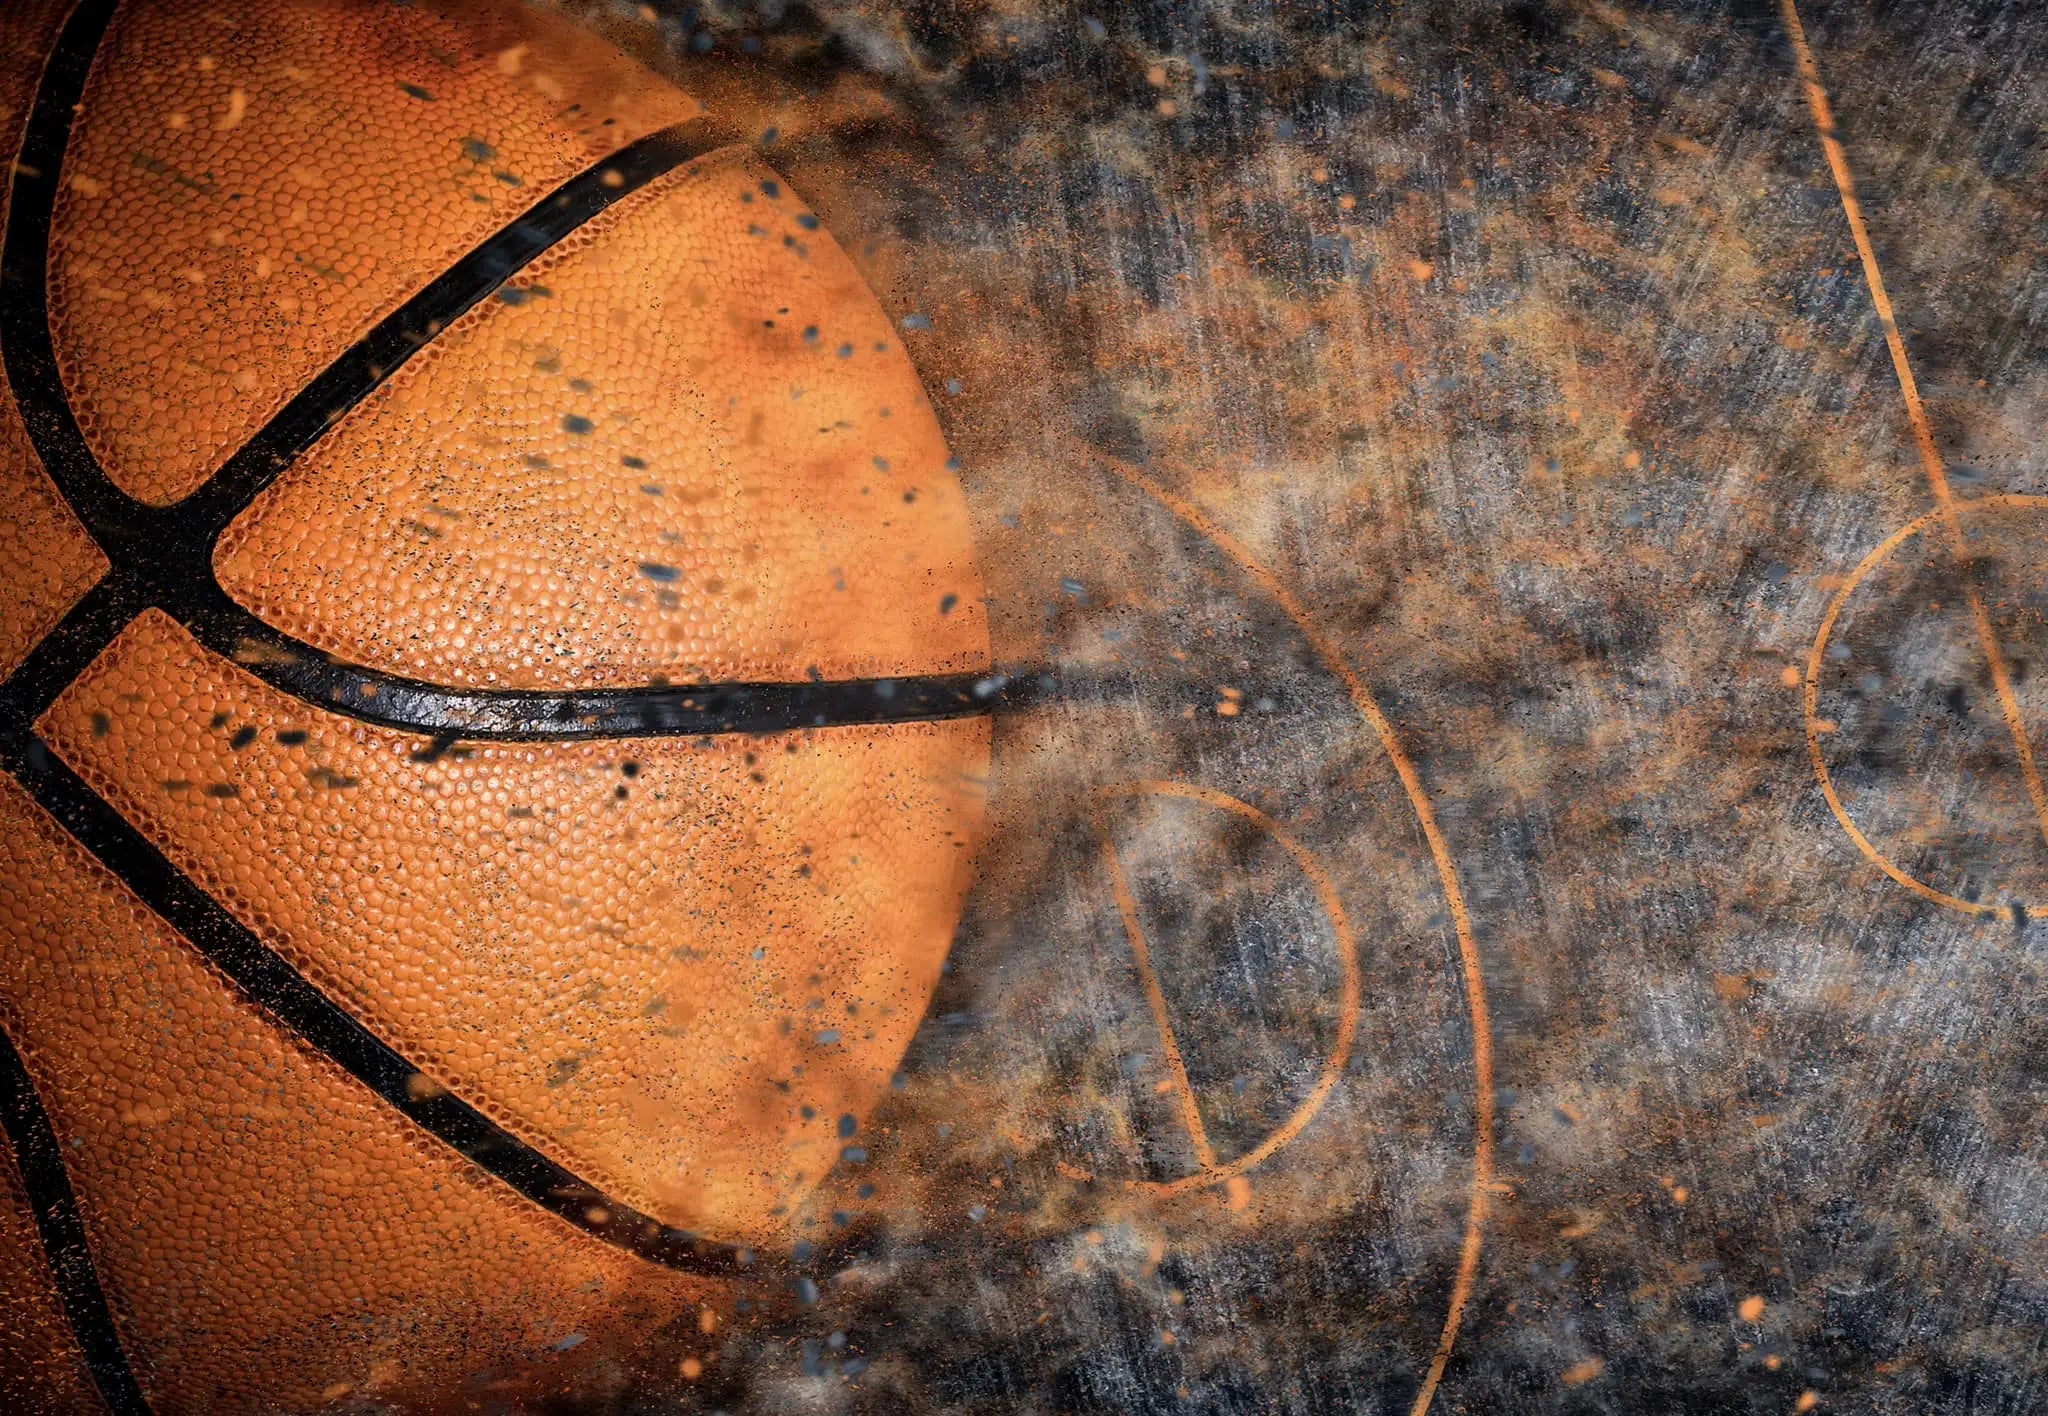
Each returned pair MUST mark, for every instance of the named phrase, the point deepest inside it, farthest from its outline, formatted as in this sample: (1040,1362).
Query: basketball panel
(671,965)
(270,1234)
(250,188)
(683,445)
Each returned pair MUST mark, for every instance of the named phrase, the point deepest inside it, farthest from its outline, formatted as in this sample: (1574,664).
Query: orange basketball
(491,722)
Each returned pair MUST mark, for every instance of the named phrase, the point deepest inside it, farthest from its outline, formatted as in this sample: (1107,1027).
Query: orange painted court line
(1814,659)
(1447,873)
(1127,904)
(1343,937)
(1916,411)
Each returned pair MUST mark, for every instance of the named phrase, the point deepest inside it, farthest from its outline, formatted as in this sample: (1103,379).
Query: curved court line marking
(1814,659)
(1212,1171)
(1333,659)
(1930,463)
(1134,931)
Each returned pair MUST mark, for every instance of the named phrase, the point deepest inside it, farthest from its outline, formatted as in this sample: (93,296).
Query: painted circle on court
(1941,657)
(1210,1168)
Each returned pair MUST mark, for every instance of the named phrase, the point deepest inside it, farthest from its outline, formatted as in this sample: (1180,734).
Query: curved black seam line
(180,537)
(25,343)
(448,715)
(60,656)
(364,366)
(40,1158)
(270,981)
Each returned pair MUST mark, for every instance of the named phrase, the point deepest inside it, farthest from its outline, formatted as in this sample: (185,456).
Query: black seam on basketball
(172,535)
(59,657)
(269,980)
(56,659)
(55,1206)
(390,701)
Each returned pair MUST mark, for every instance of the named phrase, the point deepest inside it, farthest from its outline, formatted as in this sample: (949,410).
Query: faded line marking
(1483,1182)
(1350,1001)
(1816,656)
(1134,930)
(1923,436)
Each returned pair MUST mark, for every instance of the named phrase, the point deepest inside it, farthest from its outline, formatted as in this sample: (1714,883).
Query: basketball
(495,707)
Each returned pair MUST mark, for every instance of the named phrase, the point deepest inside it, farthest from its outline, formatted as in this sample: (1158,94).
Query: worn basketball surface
(493,756)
